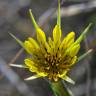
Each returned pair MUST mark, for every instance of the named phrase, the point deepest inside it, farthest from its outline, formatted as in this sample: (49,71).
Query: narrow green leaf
(85,55)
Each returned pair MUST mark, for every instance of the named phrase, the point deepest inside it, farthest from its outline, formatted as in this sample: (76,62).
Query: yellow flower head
(52,58)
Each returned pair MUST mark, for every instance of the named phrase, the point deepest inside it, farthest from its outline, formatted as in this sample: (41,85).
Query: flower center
(55,65)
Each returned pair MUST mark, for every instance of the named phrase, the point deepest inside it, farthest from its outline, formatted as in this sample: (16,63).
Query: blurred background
(14,18)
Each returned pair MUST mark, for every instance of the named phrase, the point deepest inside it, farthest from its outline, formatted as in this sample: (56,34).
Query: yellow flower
(52,58)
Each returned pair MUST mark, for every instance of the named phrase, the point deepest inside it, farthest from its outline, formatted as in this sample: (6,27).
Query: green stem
(59,89)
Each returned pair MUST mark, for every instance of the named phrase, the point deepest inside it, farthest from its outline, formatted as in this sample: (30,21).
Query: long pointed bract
(66,78)
(81,37)
(18,65)
(32,77)
(58,15)
(33,20)
(19,41)
(84,55)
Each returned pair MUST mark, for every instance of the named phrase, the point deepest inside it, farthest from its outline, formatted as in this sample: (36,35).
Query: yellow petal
(68,40)
(28,46)
(57,34)
(70,36)
(34,43)
(43,74)
(74,50)
(48,47)
(73,61)
(31,65)
(51,45)
(50,42)
(41,37)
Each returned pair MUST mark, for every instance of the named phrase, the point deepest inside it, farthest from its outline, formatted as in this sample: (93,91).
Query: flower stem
(59,89)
